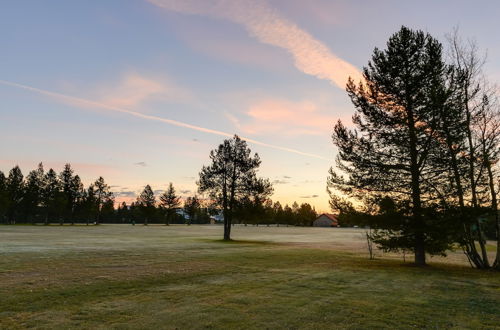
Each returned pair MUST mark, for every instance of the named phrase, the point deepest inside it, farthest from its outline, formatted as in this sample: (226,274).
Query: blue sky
(270,71)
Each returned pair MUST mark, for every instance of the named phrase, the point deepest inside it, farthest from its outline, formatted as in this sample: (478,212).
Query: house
(326,220)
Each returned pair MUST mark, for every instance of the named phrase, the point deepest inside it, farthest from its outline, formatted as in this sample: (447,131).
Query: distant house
(326,220)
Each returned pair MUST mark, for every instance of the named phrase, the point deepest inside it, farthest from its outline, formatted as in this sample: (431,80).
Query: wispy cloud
(309,196)
(265,24)
(286,118)
(125,193)
(133,89)
(143,164)
(84,103)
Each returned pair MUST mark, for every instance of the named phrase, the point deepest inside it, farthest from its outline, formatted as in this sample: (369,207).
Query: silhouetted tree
(231,176)
(15,192)
(3,197)
(147,203)
(77,197)
(52,198)
(191,208)
(102,195)
(305,215)
(169,202)
(33,193)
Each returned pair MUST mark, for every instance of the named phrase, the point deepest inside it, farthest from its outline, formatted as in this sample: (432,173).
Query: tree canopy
(232,178)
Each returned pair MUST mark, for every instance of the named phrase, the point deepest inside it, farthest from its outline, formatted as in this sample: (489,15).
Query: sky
(140,91)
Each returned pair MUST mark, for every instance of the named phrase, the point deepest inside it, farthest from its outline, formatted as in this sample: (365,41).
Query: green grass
(187,278)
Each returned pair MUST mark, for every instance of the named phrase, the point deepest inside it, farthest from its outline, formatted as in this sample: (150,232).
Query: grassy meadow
(185,277)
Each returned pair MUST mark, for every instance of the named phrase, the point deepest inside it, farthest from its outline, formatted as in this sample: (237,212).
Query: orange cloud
(284,117)
(266,25)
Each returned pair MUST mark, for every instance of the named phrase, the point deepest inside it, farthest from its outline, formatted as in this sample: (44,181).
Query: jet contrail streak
(85,102)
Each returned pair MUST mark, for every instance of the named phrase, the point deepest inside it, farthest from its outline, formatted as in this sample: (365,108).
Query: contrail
(264,23)
(85,102)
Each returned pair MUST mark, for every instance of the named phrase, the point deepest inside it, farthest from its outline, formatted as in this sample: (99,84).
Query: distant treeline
(50,197)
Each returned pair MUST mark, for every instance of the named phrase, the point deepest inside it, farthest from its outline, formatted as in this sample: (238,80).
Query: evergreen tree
(231,176)
(52,198)
(191,209)
(147,203)
(78,195)
(169,202)
(69,192)
(3,198)
(33,195)
(390,151)
(15,193)
(103,196)
(123,213)
(306,214)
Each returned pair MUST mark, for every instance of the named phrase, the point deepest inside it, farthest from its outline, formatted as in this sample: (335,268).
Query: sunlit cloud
(287,118)
(84,103)
(265,24)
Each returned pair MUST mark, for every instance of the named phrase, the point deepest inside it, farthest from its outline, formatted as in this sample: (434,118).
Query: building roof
(332,217)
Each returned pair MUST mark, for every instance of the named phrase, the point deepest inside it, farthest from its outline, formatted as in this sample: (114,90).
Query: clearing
(122,276)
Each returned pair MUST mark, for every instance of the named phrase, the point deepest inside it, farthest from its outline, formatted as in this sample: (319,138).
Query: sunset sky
(140,91)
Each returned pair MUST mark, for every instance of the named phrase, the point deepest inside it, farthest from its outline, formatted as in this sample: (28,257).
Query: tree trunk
(419,247)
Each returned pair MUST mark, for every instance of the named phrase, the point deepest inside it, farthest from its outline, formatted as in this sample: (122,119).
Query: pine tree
(15,193)
(191,208)
(52,197)
(103,196)
(389,152)
(147,203)
(3,197)
(169,201)
(231,176)
(78,197)
(33,194)
(69,194)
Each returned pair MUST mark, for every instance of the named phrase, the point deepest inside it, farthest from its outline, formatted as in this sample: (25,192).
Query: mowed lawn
(149,277)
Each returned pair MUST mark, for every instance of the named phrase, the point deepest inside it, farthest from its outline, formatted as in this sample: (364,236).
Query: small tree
(147,203)
(169,201)
(15,192)
(103,196)
(33,192)
(191,208)
(231,176)
(51,196)
(3,196)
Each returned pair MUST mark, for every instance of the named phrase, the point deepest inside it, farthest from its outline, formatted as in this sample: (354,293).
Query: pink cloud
(284,117)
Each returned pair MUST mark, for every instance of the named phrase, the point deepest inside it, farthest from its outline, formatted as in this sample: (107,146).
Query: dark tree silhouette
(169,202)
(52,197)
(103,196)
(192,209)
(3,197)
(33,194)
(147,203)
(15,193)
(231,176)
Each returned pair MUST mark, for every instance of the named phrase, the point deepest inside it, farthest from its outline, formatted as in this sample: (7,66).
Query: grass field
(121,276)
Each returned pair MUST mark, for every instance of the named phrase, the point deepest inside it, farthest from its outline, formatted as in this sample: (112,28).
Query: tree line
(49,197)
(423,155)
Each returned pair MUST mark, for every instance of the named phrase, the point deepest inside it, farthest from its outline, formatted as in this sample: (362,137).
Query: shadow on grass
(238,242)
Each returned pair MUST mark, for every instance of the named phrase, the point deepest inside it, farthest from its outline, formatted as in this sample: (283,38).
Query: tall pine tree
(389,151)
